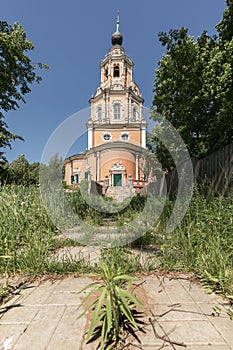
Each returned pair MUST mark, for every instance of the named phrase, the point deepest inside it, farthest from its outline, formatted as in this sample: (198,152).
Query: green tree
(150,165)
(194,91)
(19,172)
(178,89)
(52,175)
(225,27)
(4,171)
(218,91)
(34,170)
(17,72)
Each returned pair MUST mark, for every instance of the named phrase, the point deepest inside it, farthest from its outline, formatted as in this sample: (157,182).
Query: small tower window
(117,111)
(134,113)
(126,76)
(116,72)
(107,136)
(124,136)
(106,72)
(99,113)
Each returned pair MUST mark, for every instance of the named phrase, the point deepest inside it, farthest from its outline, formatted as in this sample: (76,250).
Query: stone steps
(119,193)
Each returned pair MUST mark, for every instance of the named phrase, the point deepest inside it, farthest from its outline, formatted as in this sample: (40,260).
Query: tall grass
(203,242)
(102,209)
(27,234)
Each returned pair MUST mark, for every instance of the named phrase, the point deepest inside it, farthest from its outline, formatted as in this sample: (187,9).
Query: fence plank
(215,170)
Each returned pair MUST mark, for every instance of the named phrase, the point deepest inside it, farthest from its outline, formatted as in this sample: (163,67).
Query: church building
(116,128)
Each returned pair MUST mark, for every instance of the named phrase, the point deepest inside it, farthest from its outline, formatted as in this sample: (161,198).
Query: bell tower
(116,127)
(116,106)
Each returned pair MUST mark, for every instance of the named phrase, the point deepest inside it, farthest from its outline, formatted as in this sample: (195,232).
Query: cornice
(111,91)
(116,145)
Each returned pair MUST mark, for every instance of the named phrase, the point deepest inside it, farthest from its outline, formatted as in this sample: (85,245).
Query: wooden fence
(215,170)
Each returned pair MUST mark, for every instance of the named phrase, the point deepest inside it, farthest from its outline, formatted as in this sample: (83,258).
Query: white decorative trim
(143,137)
(117,167)
(90,138)
(137,167)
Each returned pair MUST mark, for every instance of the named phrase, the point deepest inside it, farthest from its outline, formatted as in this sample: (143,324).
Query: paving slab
(155,290)
(41,329)
(190,317)
(69,332)
(89,253)
(198,347)
(180,310)
(39,294)
(198,294)
(20,315)
(10,334)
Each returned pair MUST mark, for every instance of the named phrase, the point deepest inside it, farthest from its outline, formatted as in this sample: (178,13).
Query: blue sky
(73,36)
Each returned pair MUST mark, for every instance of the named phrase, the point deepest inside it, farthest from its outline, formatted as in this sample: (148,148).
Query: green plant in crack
(114,308)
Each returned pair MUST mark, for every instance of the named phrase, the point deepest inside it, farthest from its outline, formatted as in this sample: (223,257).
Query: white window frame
(118,69)
(119,114)
(99,113)
(134,116)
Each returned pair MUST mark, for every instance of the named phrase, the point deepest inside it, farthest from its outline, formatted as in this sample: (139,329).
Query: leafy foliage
(17,72)
(52,175)
(150,165)
(194,89)
(225,27)
(19,172)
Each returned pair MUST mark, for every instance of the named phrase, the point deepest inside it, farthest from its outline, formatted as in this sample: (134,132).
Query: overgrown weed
(202,242)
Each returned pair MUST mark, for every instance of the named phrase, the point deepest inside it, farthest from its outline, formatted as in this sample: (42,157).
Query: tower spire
(117,37)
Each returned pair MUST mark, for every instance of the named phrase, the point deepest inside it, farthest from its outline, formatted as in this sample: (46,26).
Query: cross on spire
(118,21)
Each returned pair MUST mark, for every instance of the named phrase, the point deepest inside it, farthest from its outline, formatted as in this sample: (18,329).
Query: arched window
(99,113)
(116,72)
(134,113)
(126,76)
(117,111)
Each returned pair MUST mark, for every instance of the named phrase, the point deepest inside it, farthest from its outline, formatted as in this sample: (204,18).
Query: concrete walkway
(44,316)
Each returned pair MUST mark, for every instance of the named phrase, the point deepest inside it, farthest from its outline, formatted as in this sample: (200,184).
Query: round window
(107,136)
(124,136)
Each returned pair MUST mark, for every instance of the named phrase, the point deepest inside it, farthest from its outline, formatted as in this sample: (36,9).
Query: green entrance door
(117,179)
